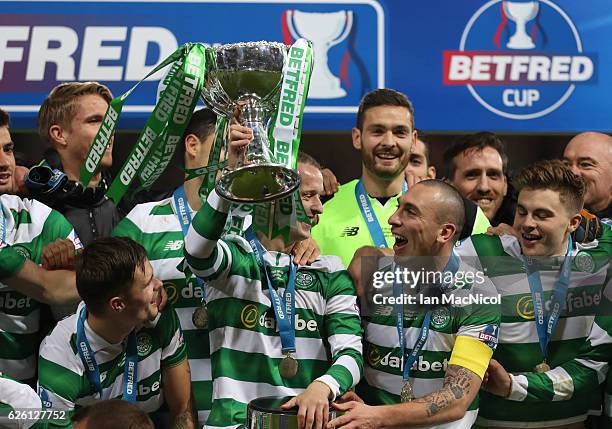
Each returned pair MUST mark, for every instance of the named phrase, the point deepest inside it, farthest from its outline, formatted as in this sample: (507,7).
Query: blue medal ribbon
(184,216)
(363,201)
(367,211)
(546,324)
(2,229)
(284,306)
(92,370)
(410,359)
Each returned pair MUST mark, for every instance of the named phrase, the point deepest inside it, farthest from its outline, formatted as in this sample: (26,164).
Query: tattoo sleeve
(457,384)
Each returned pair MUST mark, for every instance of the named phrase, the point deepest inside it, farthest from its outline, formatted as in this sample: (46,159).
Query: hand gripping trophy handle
(249,76)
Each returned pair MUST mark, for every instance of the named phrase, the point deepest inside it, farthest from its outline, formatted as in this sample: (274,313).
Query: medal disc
(406,393)
(288,367)
(542,367)
(200,317)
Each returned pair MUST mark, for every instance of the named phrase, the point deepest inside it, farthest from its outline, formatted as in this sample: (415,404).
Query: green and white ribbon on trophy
(285,140)
(164,127)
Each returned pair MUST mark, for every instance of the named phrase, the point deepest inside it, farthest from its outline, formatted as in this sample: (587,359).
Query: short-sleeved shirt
(157,228)
(30,226)
(63,381)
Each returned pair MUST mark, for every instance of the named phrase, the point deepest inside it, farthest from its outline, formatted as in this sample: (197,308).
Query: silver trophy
(249,76)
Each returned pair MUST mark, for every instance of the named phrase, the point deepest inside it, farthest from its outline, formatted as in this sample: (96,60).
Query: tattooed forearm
(457,384)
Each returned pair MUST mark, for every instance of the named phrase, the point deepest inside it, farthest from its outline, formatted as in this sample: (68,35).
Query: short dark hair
(202,124)
(556,176)
(454,208)
(477,141)
(106,269)
(4,118)
(422,137)
(113,413)
(305,158)
(383,97)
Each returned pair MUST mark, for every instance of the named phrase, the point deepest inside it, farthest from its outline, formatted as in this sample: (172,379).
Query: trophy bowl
(248,76)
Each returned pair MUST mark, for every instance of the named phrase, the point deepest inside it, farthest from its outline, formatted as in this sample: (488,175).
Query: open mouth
(386,156)
(483,202)
(400,242)
(5,178)
(530,239)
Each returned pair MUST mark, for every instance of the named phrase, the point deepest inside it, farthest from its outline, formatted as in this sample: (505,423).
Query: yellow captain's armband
(472,354)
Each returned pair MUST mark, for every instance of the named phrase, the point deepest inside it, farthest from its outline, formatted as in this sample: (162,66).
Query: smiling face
(385,141)
(479,177)
(7,161)
(589,155)
(142,299)
(311,189)
(543,222)
(415,225)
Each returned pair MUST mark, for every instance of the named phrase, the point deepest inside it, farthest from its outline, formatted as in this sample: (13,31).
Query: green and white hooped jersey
(451,324)
(519,349)
(342,230)
(30,226)
(157,228)
(245,344)
(17,396)
(579,376)
(62,379)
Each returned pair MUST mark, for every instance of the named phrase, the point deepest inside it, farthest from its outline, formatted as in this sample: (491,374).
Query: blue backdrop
(508,66)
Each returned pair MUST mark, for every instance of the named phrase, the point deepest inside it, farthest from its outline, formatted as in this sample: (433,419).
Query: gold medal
(406,394)
(542,367)
(288,366)
(200,317)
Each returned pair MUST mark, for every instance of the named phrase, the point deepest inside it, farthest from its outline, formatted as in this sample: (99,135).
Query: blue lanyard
(86,354)
(363,201)
(545,326)
(409,360)
(284,306)
(452,266)
(2,228)
(184,217)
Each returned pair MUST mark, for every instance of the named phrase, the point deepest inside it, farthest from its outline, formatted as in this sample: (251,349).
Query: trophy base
(258,183)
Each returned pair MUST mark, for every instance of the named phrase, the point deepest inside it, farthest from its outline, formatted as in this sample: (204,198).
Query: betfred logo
(520,60)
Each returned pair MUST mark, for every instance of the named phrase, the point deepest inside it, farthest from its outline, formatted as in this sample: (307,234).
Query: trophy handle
(534,12)
(346,31)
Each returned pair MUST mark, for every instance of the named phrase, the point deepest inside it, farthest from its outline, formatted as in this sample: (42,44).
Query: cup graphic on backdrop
(325,30)
(249,75)
(521,13)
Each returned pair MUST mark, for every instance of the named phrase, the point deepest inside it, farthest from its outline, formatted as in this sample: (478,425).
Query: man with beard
(477,167)
(384,135)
